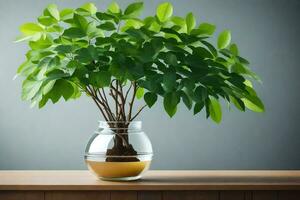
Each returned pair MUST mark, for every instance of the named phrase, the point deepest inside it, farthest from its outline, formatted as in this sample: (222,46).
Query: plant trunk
(121,147)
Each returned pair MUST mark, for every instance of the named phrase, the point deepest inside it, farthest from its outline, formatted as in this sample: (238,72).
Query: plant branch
(126,95)
(89,92)
(104,100)
(123,101)
(139,111)
(132,100)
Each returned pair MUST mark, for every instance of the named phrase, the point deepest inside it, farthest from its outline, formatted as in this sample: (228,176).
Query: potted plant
(114,58)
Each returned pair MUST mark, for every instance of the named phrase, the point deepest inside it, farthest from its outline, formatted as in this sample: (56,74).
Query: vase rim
(134,121)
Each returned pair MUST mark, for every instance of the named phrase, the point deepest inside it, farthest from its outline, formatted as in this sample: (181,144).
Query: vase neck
(120,125)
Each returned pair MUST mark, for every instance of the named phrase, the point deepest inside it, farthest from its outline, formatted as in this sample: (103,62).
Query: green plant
(115,57)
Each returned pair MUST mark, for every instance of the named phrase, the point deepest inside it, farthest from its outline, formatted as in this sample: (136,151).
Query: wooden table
(156,185)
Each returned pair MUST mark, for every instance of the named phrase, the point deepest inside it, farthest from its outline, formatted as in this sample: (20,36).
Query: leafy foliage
(83,50)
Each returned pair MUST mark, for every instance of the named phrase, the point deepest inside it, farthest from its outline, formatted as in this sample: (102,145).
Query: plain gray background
(267,33)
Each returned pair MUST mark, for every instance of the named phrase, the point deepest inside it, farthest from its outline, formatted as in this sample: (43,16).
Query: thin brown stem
(139,111)
(89,92)
(132,100)
(123,102)
(105,102)
(120,99)
(114,96)
(104,108)
(104,95)
(126,95)
(117,96)
(118,105)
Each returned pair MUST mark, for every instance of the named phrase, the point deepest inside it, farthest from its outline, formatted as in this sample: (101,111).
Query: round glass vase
(119,151)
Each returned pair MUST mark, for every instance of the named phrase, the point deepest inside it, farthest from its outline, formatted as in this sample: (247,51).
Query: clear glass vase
(119,151)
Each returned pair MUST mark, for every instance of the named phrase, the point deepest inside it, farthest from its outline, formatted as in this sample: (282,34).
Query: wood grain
(77,195)
(264,195)
(153,180)
(190,195)
(123,195)
(248,195)
(232,195)
(21,195)
(149,195)
(288,195)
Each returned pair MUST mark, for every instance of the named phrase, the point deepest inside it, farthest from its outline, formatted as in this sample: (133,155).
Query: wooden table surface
(153,180)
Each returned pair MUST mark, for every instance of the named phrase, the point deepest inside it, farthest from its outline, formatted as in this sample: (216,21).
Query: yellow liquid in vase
(117,169)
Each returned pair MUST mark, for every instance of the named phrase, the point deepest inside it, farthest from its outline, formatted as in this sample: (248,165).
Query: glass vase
(119,151)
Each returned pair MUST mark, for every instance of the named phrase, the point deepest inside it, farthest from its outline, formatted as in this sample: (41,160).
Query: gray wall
(267,33)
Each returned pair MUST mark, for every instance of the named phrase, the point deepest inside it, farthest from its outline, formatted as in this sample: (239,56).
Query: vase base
(131,178)
(118,171)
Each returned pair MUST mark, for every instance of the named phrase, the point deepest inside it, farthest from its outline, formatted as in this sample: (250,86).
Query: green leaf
(43,102)
(224,39)
(90,7)
(63,49)
(171,101)
(239,104)
(186,100)
(137,34)
(204,29)
(198,107)
(107,26)
(215,110)
(55,28)
(52,9)
(211,48)
(253,103)
(243,69)
(74,32)
(46,20)
(66,14)
(26,68)
(30,29)
(243,60)
(82,12)
(155,27)
(61,88)
(114,8)
(171,59)
(100,79)
(56,74)
(248,83)
(93,32)
(226,52)
(169,81)
(40,44)
(87,55)
(200,94)
(164,11)
(202,52)
(35,56)
(190,22)
(30,88)
(140,93)
(106,16)
(46,89)
(179,21)
(132,23)
(74,64)
(134,9)
(150,99)
(48,86)
(80,22)
(234,49)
